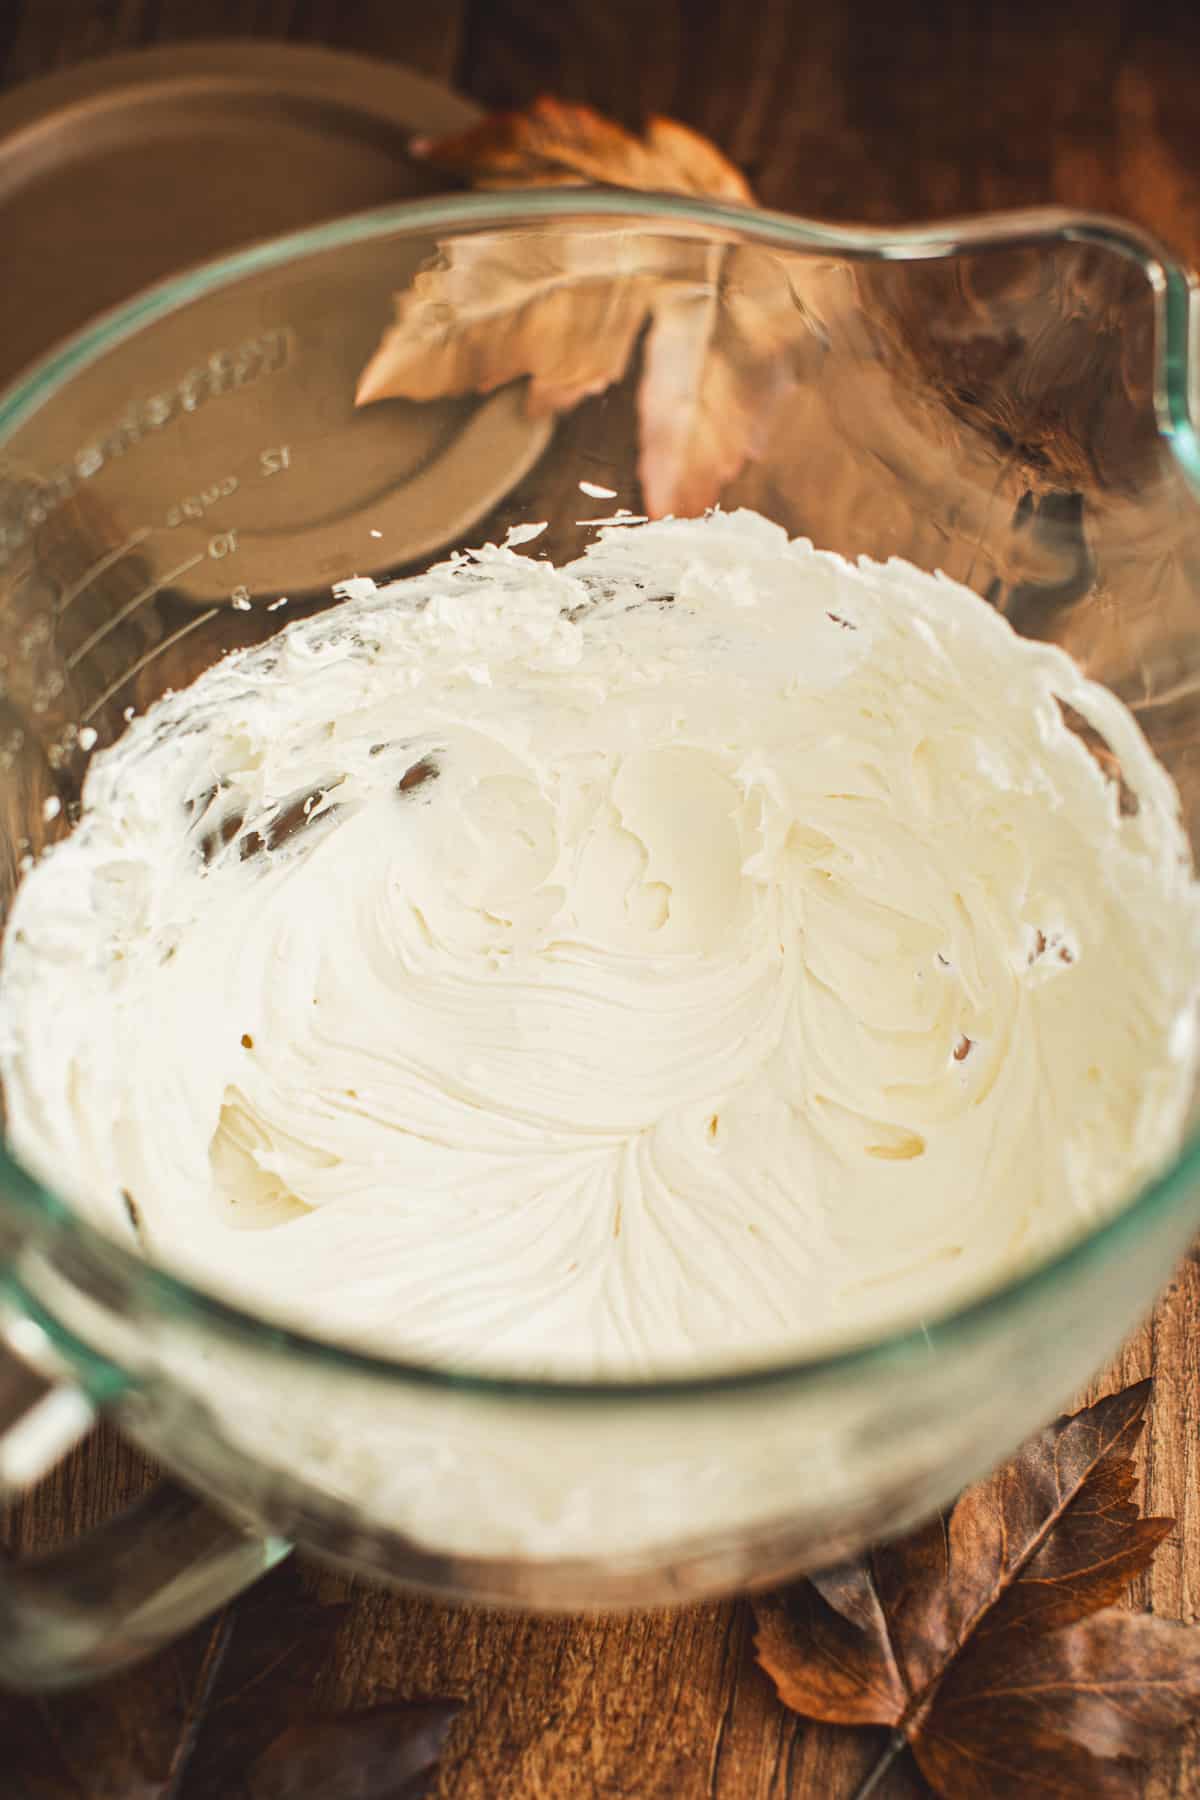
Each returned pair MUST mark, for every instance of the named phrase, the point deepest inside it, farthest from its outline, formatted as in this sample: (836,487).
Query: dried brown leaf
(1065,1712)
(987,1638)
(553,143)
(555,307)
(184,1715)
(564,308)
(276,1640)
(222,1712)
(718,361)
(380,1753)
(687,161)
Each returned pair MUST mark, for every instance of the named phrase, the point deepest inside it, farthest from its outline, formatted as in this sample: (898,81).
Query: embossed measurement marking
(194,506)
(110,624)
(114,687)
(99,568)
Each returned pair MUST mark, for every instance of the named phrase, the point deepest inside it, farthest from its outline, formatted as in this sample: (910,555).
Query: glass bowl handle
(122,1590)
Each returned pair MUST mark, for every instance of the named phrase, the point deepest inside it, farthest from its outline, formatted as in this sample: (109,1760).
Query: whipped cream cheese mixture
(696,953)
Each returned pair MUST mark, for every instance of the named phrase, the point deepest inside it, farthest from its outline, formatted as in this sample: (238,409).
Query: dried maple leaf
(718,361)
(565,306)
(553,143)
(987,1641)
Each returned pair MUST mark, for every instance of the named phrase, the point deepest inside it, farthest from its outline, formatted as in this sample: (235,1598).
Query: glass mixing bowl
(1004,399)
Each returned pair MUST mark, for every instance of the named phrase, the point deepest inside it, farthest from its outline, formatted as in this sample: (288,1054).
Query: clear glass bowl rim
(1176,295)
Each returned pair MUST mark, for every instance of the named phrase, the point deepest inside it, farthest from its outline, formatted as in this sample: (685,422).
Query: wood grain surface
(882,112)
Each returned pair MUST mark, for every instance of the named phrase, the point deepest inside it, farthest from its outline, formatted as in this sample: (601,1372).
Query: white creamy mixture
(691,954)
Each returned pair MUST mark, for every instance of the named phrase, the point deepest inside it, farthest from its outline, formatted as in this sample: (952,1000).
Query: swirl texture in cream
(699,953)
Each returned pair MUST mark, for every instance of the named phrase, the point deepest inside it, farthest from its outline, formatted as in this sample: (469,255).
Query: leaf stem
(895,1744)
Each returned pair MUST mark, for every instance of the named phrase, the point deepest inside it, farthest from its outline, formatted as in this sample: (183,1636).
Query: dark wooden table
(881,112)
